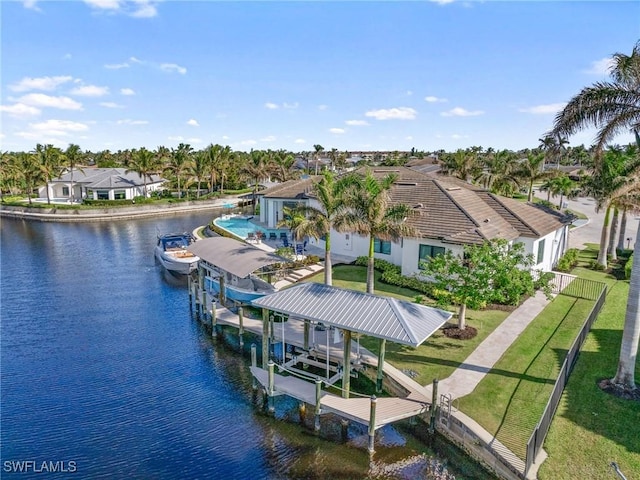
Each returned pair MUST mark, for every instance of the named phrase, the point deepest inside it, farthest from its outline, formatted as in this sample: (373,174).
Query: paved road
(590,233)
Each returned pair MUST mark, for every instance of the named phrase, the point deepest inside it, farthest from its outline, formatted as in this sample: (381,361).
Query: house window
(427,252)
(65,191)
(540,251)
(119,195)
(103,194)
(381,246)
(90,194)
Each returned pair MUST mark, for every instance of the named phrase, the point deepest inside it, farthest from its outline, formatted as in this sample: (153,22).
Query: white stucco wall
(411,252)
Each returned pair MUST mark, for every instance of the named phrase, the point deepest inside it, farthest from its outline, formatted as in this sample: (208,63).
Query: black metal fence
(580,288)
(577,287)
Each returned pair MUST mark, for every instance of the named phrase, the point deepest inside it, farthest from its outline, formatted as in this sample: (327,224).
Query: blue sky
(115,74)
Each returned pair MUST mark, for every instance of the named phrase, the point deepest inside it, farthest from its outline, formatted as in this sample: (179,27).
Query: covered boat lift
(238,258)
(351,312)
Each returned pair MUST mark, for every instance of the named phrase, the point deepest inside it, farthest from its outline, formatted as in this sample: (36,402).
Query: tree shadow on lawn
(591,408)
(407,354)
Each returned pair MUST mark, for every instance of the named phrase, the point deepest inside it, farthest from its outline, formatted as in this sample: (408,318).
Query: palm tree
(498,174)
(562,185)
(462,164)
(256,168)
(198,168)
(179,163)
(318,222)
(9,172)
(319,149)
(50,160)
(613,172)
(611,107)
(73,155)
(283,162)
(370,212)
(625,374)
(531,171)
(145,163)
(30,171)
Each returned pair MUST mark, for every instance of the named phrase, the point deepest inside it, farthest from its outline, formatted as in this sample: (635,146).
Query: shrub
(568,261)
(627,268)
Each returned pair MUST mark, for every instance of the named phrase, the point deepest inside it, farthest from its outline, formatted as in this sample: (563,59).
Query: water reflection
(103,364)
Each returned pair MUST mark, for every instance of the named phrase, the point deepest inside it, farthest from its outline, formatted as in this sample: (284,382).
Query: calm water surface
(104,366)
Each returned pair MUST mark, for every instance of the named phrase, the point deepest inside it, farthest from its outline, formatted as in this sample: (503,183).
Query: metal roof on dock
(233,256)
(396,320)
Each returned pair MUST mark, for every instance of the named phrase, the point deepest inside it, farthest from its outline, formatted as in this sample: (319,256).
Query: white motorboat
(171,251)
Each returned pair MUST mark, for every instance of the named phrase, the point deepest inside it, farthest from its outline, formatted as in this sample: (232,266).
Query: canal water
(106,374)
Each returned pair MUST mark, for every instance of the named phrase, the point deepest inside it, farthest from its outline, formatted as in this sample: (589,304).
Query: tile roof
(453,211)
(106,178)
(291,189)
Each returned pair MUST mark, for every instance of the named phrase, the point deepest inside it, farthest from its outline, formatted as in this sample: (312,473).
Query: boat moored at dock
(171,251)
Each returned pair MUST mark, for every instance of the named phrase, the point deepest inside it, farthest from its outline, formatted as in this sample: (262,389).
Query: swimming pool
(242,226)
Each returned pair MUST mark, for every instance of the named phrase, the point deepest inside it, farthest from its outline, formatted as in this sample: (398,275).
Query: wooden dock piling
(372,423)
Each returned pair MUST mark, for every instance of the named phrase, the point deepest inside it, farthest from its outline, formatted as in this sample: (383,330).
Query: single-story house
(101,184)
(449,215)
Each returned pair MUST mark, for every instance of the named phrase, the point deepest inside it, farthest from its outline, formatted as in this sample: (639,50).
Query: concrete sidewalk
(469,374)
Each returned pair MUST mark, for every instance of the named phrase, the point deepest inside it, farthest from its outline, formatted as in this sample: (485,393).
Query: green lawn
(591,429)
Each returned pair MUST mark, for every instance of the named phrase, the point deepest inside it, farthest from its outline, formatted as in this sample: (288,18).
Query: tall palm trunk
(370,266)
(604,239)
(328,274)
(631,331)
(530,198)
(611,249)
(623,229)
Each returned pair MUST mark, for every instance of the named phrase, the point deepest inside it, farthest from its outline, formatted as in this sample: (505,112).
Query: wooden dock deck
(388,410)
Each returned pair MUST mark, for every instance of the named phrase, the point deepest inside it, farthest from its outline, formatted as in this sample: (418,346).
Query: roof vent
(407,184)
(418,205)
(450,189)
(487,220)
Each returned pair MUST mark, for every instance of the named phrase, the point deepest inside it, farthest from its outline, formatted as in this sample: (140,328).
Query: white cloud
(225,137)
(194,140)
(271,106)
(193,122)
(432,99)
(144,9)
(42,100)
(357,123)
(111,105)
(40,83)
(408,138)
(128,121)
(127,91)
(104,4)
(268,138)
(457,136)
(600,67)
(248,142)
(409,93)
(177,138)
(90,91)
(442,2)
(461,112)
(135,8)
(323,107)
(290,106)
(337,130)
(400,113)
(31,5)
(543,109)
(54,128)
(116,66)
(299,141)
(172,67)
(20,110)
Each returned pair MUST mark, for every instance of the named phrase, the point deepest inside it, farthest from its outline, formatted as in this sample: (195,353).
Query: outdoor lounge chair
(272,236)
(251,236)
